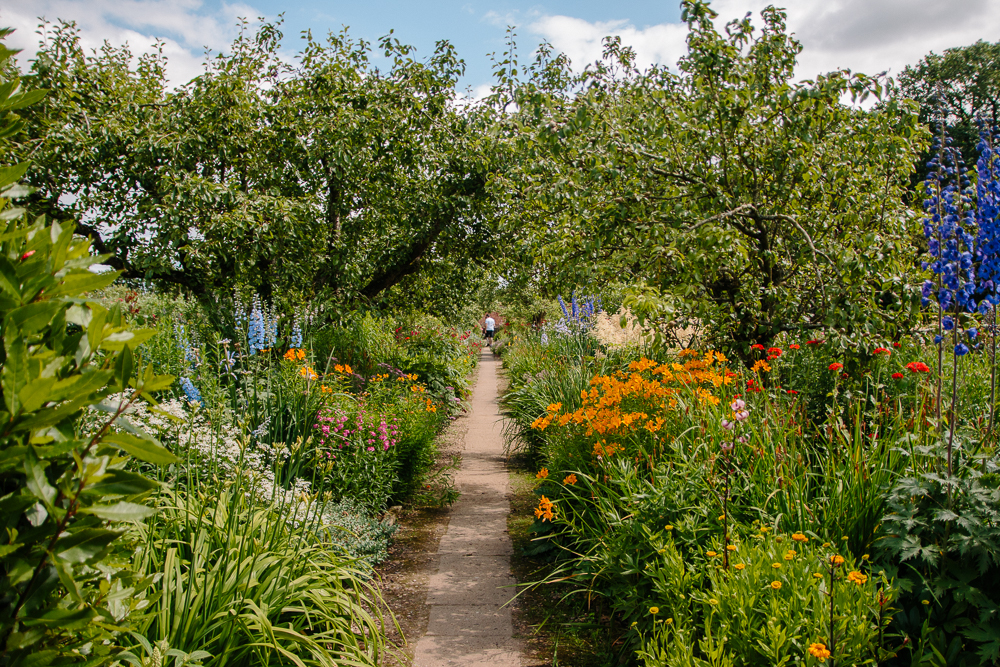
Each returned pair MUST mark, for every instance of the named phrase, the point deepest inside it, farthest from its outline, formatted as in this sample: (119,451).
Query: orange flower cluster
(308,373)
(545,509)
(430,407)
(345,368)
(603,448)
(649,385)
(295,354)
(857,578)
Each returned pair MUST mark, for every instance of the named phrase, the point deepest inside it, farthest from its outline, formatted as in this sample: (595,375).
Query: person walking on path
(490,325)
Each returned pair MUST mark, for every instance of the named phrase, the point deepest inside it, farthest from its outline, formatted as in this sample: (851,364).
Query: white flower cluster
(221,450)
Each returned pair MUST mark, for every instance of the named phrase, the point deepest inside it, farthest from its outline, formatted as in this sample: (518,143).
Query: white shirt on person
(490,323)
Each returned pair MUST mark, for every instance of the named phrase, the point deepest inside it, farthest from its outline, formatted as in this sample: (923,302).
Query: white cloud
(868,36)
(185,28)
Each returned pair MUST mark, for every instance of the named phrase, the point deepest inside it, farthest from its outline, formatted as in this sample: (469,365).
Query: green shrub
(254,584)
(64,486)
(767,608)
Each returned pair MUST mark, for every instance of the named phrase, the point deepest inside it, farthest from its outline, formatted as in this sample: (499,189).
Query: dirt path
(471,578)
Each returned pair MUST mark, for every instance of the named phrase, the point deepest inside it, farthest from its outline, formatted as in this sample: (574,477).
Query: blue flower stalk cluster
(988,219)
(184,343)
(950,228)
(581,311)
(192,392)
(296,339)
(263,331)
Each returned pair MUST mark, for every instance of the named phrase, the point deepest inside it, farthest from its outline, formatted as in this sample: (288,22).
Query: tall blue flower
(988,218)
(949,226)
(192,392)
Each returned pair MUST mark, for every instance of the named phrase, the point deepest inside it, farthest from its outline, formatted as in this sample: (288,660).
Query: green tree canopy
(959,86)
(759,203)
(327,176)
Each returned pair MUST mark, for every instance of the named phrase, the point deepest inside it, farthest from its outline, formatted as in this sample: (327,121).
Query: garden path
(469,626)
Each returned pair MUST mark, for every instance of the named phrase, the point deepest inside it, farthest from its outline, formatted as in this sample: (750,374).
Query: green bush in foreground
(61,487)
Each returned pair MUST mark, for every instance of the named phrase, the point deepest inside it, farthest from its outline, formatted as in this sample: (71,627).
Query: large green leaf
(149,450)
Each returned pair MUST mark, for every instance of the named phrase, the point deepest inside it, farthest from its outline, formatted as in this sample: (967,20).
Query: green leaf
(34,317)
(85,545)
(37,482)
(123,511)
(76,284)
(36,393)
(149,450)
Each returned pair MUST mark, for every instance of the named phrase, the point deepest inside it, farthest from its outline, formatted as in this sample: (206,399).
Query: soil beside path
(471,579)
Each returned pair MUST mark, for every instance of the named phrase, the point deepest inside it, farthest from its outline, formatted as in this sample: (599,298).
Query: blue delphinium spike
(192,392)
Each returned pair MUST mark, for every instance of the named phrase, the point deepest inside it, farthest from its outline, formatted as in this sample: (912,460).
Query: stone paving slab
(469,626)
(460,621)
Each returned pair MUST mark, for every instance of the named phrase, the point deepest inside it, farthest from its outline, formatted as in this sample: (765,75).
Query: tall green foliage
(328,176)
(61,486)
(760,203)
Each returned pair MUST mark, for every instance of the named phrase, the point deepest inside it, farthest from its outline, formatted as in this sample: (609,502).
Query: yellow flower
(669,621)
(799,537)
(308,373)
(826,544)
(722,517)
(837,560)
(731,547)
(819,651)
(817,575)
(776,566)
(857,577)
(711,554)
(925,602)
(654,610)
(570,479)
(865,557)
(776,585)
(739,566)
(789,555)
(761,365)
(668,527)
(713,601)
(542,474)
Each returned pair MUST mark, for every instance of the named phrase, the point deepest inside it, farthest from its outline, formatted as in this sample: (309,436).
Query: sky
(870,36)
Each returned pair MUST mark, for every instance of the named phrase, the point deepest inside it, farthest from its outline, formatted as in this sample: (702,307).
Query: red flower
(814,342)
(897,376)
(793,346)
(774,352)
(27,255)
(897,345)
(918,367)
(882,350)
(756,346)
(792,391)
(836,366)
(845,375)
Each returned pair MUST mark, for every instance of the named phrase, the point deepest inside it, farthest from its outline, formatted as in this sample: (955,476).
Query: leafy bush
(776,600)
(63,486)
(943,533)
(252,584)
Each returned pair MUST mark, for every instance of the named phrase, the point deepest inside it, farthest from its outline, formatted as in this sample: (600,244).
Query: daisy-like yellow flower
(654,610)
(817,575)
(799,537)
(668,527)
(837,560)
(711,554)
(776,566)
(776,585)
(739,566)
(857,577)
(819,651)
(731,547)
